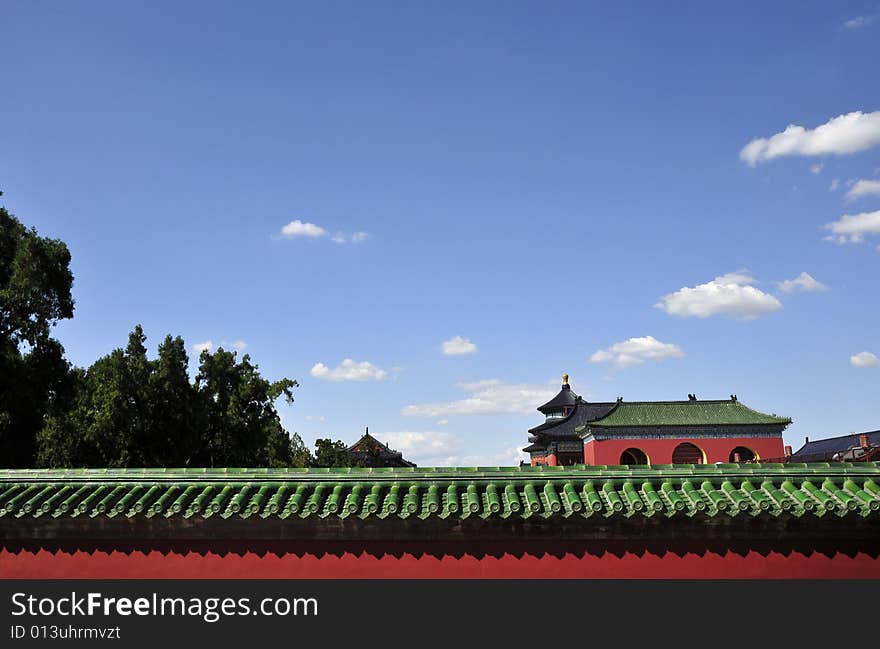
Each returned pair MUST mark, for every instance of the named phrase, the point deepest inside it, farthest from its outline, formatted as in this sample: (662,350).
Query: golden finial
(565,379)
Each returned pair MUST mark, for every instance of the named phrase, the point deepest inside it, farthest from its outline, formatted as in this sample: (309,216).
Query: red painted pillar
(551,459)
(590,453)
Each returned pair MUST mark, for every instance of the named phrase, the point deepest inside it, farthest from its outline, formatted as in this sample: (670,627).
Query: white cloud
(859,21)
(635,351)
(803,283)
(852,228)
(459,346)
(737,277)
(850,133)
(348,370)
(445,449)
(817,168)
(356,237)
(488,397)
(420,446)
(442,422)
(863,188)
(510,456)
(731,294)
(864,359)
(238,345)
(298,228)
(315,418)
(208,345)
(835,184)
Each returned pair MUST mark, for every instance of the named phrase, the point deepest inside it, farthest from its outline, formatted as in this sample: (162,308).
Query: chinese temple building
(683,521)
(855,447)
(370,452)
(576,431)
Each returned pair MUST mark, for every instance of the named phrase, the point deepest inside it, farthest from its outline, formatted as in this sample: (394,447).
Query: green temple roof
(684,413)
(815,490)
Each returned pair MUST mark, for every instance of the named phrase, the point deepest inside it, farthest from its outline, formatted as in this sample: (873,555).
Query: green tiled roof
(684,413)
(838,489)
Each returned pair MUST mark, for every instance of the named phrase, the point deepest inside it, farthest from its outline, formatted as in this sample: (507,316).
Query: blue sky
(608,191)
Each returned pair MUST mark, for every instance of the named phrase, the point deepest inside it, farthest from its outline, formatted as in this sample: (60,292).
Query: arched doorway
(687,453)
(633,456)
(742,454)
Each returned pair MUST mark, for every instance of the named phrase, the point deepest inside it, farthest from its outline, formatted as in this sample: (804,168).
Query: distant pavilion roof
(367,442)
(581,412)
(565,397)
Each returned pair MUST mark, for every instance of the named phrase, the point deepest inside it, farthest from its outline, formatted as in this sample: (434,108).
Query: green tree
(177,414)
(130,411)
(35,293)
(242,426)
(300,455)
(331,454)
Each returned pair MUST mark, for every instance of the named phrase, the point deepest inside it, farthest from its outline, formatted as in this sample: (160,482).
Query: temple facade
(576,431)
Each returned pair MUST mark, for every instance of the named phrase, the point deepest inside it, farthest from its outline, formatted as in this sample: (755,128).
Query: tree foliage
(300,455)
(331,454)
(242,425)
(35,293)
(131,411)
(35,282)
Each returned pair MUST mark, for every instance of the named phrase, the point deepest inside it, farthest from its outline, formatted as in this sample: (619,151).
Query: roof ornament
(619,399)
(692,397)
(565,380)
(733,397)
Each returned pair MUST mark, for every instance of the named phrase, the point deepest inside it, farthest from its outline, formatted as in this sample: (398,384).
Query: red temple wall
(183,564)
(659,451)
(547,460)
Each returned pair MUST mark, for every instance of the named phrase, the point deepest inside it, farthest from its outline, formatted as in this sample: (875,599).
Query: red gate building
(576,431)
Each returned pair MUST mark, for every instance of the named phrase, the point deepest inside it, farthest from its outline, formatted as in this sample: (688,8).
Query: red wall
(547,460)
(659,451)
(156,564)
